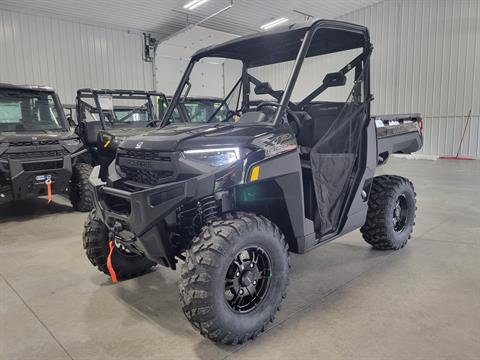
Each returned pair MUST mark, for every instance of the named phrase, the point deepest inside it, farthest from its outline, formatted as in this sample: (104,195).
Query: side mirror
(263,88)
(334,79)
(70,120)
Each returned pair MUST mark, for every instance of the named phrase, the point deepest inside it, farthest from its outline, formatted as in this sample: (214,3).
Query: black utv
(38,150)
(230,198)
(103,119)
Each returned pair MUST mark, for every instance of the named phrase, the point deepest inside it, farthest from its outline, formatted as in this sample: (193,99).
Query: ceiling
(168,16)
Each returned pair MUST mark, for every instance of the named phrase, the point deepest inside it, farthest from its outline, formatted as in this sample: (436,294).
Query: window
(29,111)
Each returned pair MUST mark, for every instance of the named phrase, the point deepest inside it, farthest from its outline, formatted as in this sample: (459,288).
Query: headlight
(213,157)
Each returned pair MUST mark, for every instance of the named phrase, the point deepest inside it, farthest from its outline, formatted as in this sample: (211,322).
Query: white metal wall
(426,59)
(173,56)
(67,55)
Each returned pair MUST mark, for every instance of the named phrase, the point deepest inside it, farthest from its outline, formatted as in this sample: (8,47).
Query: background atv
(38,151)
(231,198)
(104,118)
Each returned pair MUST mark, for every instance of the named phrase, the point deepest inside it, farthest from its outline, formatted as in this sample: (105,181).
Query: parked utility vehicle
(232,198)
(38,150)
(104,118)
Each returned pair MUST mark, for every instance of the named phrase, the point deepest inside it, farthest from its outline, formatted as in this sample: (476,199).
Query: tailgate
(398,134)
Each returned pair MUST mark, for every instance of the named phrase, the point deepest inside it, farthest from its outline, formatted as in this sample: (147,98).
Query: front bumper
(27,178)
(146,209)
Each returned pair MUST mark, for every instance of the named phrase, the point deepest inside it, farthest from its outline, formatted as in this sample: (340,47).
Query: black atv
(231,197)
(38,151)
(103,119)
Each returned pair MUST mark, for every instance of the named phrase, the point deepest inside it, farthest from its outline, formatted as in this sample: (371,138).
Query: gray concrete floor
(345,300)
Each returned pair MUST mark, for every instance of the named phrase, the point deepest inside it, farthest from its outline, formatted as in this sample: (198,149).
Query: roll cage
(290,43)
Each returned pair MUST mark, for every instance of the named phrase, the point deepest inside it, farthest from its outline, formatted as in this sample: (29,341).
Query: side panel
(277,194)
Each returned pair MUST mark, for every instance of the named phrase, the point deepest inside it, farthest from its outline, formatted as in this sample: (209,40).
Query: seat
(322,114)
(91,131)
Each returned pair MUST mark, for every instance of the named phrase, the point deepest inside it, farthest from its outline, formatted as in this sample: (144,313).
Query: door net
(333,159)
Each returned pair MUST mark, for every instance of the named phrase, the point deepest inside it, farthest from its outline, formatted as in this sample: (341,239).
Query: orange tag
(48,182)
(110,268)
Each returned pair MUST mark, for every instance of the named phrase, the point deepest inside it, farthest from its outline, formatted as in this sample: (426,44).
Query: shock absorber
(192,217)
(208,209)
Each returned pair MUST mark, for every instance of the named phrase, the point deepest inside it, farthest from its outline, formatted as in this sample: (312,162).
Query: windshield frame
(305,37)
(82,106)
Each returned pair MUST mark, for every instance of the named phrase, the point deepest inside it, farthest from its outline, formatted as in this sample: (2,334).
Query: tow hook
(117,227)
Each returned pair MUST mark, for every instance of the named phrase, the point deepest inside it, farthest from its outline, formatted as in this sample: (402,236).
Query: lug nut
(254,282)
(251,265)
(237,274)
(241,292)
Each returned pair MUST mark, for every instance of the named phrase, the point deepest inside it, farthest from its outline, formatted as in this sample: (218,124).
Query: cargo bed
(401,134)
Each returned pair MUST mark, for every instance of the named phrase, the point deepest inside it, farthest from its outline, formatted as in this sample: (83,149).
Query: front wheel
(234,278)
(391,213)
(124,263)
(80,194)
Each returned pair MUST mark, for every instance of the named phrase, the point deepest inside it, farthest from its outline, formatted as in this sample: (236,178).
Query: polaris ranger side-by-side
(38,151)
(231,198)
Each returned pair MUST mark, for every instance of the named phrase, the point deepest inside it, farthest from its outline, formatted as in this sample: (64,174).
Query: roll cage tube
(60,112)
(178,93)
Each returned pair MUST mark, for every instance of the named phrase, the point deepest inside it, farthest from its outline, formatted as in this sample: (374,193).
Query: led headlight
(214,157)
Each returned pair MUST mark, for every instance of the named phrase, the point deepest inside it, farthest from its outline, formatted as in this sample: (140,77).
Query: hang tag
(48,184)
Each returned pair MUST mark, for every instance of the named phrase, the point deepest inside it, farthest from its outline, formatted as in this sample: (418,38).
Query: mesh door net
(333,159)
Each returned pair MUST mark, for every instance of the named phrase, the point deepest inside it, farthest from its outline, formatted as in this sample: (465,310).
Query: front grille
(36,154)
(145,167)
(47,165)
(144,155)
(34,143)
(143,176)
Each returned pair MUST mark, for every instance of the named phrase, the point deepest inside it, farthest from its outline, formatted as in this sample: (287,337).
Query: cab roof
(26,87)
(282,44)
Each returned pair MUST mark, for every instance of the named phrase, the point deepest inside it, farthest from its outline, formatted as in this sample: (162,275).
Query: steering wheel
(289,112)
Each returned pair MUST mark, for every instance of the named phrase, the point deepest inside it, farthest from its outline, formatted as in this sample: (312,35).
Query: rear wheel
(95,242)
(234,278)
(80,194)
(391,213)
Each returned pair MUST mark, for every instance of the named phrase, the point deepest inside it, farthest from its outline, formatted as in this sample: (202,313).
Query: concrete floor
(345,300)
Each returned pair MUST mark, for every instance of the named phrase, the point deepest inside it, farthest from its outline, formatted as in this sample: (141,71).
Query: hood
(185,136)
(36,136)
(127,132)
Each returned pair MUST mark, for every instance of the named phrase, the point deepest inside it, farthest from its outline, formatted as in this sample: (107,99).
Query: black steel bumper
(28,180)
(147,209)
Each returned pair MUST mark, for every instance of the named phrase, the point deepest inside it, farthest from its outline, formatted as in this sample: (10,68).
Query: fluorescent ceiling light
(273,23)
(194,4)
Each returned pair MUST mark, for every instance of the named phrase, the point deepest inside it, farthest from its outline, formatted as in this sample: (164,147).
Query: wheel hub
(400,213)
(247,279)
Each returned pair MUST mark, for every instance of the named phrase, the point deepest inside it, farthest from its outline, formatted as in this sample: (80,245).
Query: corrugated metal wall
(426,59)
(68,55)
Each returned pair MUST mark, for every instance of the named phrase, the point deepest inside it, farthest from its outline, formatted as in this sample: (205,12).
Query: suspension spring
(208,209)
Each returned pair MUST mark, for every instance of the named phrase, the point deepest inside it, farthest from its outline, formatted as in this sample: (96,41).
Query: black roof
(26,87)
(199,98)
(283,44)
(119,92)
